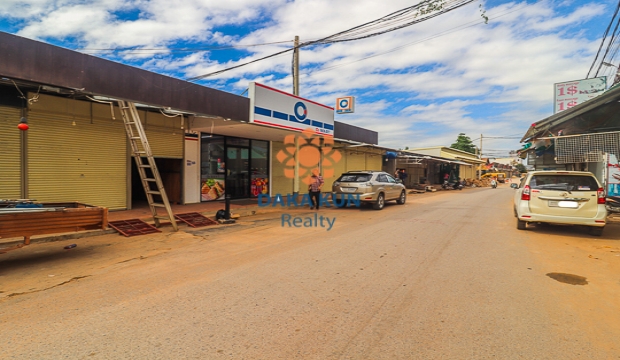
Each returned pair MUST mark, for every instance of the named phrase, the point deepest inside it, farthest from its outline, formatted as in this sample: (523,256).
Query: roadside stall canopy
(418,158)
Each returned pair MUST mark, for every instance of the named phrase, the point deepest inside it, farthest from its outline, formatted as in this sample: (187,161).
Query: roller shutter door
(10,163)
(164,134)
(374,161)
(355,161)
(466,172)
(75,156)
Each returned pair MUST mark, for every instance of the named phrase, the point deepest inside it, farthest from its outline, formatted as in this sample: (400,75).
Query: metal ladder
(135,132)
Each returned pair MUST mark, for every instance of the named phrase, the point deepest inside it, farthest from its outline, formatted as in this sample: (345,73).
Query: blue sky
(418,86)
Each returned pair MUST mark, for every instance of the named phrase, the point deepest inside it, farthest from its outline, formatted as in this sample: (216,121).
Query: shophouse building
(207,143)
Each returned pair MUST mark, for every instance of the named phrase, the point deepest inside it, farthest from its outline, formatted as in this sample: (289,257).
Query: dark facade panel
(354,133)
(34,61)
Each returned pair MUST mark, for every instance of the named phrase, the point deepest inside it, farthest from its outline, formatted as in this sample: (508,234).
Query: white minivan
(561,197)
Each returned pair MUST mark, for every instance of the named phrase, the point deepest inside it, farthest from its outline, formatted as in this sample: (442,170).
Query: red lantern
(23,124)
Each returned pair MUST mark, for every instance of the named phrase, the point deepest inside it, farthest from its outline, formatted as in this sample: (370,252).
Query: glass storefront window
(235,141)
(237,179)
(259,168)
(239,167)
(212,168)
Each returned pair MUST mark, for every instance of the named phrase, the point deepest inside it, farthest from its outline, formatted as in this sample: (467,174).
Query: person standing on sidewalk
(402,175)
(314,188)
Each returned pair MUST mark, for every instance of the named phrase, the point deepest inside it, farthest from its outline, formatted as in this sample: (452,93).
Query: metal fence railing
(576,149)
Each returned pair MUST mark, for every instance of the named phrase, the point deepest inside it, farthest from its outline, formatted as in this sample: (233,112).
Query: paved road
(446,276)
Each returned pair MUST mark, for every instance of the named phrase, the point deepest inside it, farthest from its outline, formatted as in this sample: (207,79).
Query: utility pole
(296,93)
(296,67)
(480,165)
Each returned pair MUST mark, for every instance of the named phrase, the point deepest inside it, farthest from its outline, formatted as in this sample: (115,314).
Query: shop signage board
(571,93)
(345,105)
(613,176)
(278,109)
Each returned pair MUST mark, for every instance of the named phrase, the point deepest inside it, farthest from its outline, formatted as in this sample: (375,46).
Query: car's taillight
(525,195)
(600,193)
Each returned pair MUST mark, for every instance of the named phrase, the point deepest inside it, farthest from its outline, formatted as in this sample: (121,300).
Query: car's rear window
(564,182)
(355,177)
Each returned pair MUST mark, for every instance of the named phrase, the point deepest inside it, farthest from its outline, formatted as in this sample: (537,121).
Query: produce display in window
(260,186)
(213,189)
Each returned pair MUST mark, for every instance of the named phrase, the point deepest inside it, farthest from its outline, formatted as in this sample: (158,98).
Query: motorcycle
(612,204)
(454,186)
(494,184)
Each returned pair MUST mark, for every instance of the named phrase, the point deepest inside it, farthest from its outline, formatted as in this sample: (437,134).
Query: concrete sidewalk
(243,208)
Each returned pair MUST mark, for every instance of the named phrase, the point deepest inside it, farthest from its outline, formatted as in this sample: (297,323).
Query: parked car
(375,187)
(561,197)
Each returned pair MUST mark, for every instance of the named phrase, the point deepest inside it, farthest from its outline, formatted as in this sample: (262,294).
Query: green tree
(521,168)
(464,143)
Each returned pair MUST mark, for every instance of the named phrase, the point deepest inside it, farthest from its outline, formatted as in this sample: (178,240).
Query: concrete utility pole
(480,165)
(296,67)
(296,93)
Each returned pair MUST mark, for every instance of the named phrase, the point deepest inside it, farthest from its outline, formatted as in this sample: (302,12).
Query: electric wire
(449,31)
(132,50)
(611,42)
(615,19)
(426,8)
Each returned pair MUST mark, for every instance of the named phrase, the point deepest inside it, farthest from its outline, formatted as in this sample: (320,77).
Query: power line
(397,20)
(460,27)
(614,18)
(450,31)
(132,50)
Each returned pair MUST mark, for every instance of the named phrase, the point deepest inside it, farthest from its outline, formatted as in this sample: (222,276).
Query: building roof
(41,63)
(600,114)
(458,154)
(52,69)
(408,154)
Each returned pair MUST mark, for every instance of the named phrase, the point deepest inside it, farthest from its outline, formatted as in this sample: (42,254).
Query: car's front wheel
(521,225)
(596,231)
(380,203)
(402,198)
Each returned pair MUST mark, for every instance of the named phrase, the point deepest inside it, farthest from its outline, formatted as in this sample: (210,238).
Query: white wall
(191,173)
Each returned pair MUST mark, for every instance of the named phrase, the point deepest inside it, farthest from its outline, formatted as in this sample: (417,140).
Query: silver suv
(375,187)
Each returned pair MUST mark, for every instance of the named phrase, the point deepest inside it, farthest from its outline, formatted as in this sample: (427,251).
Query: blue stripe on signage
(291,118)
(279,115)
(262,111)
